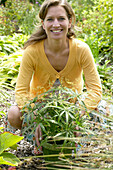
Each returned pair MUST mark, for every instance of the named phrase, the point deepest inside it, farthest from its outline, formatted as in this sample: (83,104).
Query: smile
(56,31)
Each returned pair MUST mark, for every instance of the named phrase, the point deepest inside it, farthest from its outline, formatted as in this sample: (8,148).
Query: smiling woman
(40,33)
(56,23)
(54,56)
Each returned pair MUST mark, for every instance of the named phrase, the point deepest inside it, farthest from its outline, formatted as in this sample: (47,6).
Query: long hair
(40,34)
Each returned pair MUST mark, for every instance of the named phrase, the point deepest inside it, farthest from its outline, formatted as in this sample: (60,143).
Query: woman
(51,55)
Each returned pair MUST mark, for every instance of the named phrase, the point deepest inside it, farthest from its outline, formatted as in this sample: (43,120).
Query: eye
(61,18)
(49,19)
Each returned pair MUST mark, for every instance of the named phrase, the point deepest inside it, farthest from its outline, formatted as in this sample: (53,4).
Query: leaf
(2,161)
(2,112)
(52,121)
(7,140)
(9,159)
(67,118)
(14,147)
(1,128)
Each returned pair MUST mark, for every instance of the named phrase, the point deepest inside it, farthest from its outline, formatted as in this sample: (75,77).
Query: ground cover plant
(95,19)
(8,140)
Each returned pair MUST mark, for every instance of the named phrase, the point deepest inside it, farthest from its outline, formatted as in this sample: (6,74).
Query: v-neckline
(48,64)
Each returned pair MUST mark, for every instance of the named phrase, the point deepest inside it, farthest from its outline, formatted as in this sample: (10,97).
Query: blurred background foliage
(18,19)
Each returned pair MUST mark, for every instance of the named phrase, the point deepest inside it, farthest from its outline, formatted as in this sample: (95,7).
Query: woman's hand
(38,136)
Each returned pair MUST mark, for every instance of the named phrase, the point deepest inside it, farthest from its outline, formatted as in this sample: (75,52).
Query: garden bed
(96,152)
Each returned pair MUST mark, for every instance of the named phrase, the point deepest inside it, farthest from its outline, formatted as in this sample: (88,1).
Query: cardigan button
(57,76)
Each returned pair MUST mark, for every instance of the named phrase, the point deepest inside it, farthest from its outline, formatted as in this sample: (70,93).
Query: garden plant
(8,140)
(57,117)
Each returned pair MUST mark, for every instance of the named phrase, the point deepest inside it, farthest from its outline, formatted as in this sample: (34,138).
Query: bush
(97,25)
(12,20)
(10,57)
(10,67)
(106,75)
(12,43)
(79,6)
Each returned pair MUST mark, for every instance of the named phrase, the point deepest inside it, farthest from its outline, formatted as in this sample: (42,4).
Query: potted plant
(58,117)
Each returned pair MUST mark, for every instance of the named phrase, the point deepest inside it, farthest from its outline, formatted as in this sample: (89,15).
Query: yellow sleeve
(92,79)
(22,91)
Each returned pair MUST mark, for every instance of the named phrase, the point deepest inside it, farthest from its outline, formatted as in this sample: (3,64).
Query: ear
(43,24)
(70,22)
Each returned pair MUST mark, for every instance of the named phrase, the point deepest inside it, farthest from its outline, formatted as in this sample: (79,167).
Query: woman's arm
(92,79)
(22,92)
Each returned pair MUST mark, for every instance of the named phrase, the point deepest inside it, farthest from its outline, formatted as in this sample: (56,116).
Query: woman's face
(56,23)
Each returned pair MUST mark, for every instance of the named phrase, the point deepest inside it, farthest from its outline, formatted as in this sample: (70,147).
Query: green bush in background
(10,57)
(11,43)
(17,16)
(95,20)
(97,29)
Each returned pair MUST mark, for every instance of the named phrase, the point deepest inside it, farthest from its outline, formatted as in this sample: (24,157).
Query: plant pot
(54,151)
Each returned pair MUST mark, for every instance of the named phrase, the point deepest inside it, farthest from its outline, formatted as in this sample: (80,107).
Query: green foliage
(8,140)
(12,20)
(10,67)
(7,46)
(95,19)
(106,75)
(10,44)
(1,114)
(104,65)
(58,117)
(97,25)
(79,6)
(10,57)
(54,113)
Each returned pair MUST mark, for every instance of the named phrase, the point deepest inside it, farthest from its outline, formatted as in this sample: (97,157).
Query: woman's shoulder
(79,43)
(35,46)
(33,51)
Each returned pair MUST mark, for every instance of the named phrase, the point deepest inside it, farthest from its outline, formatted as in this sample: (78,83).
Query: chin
(57,37)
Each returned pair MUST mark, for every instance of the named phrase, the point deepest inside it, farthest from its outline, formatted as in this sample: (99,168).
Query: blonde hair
(40,34)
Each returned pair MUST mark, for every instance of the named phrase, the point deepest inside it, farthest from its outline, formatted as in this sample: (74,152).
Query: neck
(56,45)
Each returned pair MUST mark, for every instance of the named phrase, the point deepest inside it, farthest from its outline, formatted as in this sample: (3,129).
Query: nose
(56,23)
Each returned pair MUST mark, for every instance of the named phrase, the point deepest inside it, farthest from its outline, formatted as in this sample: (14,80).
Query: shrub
(10,67)
(11,43)
(79,6)
(106,75)
(97,25)
(10,57)
(11,20)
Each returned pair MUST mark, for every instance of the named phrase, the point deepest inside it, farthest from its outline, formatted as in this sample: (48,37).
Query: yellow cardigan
(36,74)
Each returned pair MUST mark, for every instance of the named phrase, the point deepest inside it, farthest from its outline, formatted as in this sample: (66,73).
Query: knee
(13,113)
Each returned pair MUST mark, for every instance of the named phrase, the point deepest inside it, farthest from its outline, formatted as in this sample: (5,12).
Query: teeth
(56,31)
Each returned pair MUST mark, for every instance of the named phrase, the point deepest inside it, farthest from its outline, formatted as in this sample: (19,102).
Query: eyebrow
(51,16)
